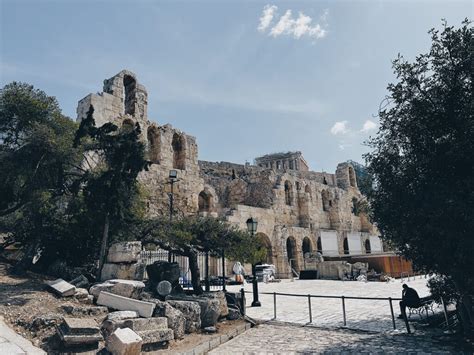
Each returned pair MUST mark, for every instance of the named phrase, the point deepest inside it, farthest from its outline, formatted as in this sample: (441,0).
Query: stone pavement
(12,343)
(370,315)
(291,339)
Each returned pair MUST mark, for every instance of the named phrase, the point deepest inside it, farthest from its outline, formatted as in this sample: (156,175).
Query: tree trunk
(195,274)
(103,247)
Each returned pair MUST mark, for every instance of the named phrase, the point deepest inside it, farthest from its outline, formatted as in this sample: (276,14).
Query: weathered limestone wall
(292,206)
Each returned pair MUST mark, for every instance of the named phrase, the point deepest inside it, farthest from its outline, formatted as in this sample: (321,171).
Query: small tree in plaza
(423,162)
(188,236)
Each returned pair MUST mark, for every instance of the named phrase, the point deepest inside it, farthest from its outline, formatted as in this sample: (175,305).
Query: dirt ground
(33,312)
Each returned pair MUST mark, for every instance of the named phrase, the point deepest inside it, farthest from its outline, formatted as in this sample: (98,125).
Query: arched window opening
(325,200)
(355,206)
(306,247)
(291,165)
(367,247)
(319,245)
(307,189)
(268,246)
(291,252)
(288,193)
(179,152)
(325,182)
(154,144)
(298,186)
(345,246)
(205,201)
(129,94)
(352,177)
(127,125)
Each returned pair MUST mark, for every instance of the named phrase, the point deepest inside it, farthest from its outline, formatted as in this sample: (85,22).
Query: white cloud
(368,126)
(267,17)
(296,27)
(284,26)
(339,128)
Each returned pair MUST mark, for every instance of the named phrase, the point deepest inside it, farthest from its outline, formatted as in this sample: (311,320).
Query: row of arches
(178,146)
(289,196)
(367,246)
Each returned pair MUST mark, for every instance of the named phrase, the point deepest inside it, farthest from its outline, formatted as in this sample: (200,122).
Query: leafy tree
(109,184)
(36,149)
(423,162)
(188,236)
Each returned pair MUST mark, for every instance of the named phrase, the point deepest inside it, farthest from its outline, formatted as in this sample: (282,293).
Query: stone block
(124,252)
(124,341)
(163,271)
(81,293)
(234,314)
(125,288)
(220,297)
(79,331)
(156,336)
(77,311)
(176,319)
(123,271)
(61,287)
(81,281)
(144,309)
(122,315)
(210,308)
(144,324)
(191,312)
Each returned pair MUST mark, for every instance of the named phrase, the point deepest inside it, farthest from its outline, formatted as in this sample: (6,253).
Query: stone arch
(291,251)
(127,125)
(368,248)
(129,94)
(345,246)
(268,245)
(307,246)
(179,151)
(326,201)
(288,193)
(205,201)
(352,177)
(307,189)
(154,144)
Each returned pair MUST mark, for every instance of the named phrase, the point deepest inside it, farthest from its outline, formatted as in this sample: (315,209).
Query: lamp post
(252,228)
(173,177)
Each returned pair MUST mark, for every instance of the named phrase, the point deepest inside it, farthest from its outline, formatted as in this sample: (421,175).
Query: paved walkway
(12,343)
(290,339)
(371,315)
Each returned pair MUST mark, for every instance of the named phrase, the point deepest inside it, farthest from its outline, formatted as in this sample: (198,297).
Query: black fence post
(242,301)
(310,311)
(223,271)
(391,311)
(274,305)
(206,272)
(344,310)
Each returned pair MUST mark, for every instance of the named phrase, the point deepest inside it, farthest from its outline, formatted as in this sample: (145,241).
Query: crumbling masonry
(298,210)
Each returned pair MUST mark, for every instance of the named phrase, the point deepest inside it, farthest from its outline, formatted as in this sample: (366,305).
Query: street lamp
(252,225)
(173,177)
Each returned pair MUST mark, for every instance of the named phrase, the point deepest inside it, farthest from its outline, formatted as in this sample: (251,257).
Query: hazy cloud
(267,17)
(292,26)
(368,126)
(339,128)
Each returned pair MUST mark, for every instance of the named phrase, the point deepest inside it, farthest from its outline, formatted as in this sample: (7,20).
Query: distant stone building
(298,210)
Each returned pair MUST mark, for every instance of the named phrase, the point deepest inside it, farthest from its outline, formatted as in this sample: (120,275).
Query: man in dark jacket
(410,298)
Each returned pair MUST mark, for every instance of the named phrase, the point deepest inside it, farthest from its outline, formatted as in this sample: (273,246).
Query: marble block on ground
(62,288)
(124,341)
(144,309)
(124,252)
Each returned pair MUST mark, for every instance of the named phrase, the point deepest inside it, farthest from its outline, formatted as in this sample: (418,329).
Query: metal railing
(343,304)
(214,267)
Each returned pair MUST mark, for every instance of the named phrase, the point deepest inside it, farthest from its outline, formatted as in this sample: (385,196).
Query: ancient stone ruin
(298,210)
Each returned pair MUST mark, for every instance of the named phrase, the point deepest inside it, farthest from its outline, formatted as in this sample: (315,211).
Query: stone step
(144,324)
(144,309)
(83,326)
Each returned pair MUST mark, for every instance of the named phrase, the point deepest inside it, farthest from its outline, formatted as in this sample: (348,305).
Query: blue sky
(245,77)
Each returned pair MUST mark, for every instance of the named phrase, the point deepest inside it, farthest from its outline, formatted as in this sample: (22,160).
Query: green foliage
(36,149)
(423,158)
(442,287)
(203,234)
